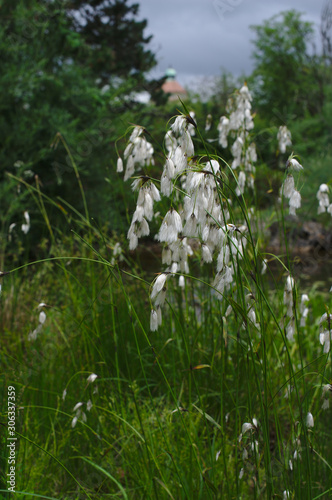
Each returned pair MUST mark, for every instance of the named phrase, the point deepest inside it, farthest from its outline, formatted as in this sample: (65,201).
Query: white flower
(284,137)
(166,184)
(42,317)
(323,198)
(159,300)
(206,254)
(170,227)
(326,387)
(137,131)
(247,426)
(264,266)
(91,378)
(304,309)
(288,295)
(325,316)
(290,330)
(138,152)
(223,129)
(174,268)
(208,122)
(158,285)
(294,202)
(222,280)
(64,394)
(293,164)
(325,340)
(153,321)
(26,227)
(309,420)
(132,237)
(288,186)
(154,193)
(181,281)
(179,160)
(179,125)
(89,405)
(191,226)
(159,315)
(304,316)
(326,404)
(130,168)
(191,126)
(304,300)
(33,335)
(323,188)
(244,92)
(325,335)
(237,152)
(77,406)
(119,165)
(241,183)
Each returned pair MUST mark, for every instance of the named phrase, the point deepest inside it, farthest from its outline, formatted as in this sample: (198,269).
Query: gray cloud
(199,37)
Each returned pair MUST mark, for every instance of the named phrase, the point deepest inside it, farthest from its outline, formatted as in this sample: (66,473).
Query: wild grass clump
(205,375)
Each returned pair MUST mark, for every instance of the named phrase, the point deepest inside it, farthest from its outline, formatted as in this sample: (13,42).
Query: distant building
(172,87)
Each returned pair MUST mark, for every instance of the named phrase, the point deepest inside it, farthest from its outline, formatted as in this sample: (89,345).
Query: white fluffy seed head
(91,378)
(206,254)
(158,284)
(295,199)
(143,228)
(130,168)
(170,227)
(119,165)
(293,164)
(155,195)
(166,185)
(323,188)
(309,420)
(181,281)
(247,426)
(153,321)
(42,317)
(294,202)
(288,186)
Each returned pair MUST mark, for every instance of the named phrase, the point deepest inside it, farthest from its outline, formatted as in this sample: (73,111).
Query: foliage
(217,404)
(229,399)
(288,80)
(113,38)
(47,88)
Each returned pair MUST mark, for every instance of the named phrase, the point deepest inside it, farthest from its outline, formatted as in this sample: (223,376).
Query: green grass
(168,407)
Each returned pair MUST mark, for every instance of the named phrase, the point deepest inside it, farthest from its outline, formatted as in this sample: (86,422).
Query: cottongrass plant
(206,376)
(209,221)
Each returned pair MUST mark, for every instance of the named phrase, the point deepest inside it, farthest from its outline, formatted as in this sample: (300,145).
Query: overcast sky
(200,37)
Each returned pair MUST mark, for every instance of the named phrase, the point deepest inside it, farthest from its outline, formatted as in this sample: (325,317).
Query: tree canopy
(47,86)
(287,75)
(114,39)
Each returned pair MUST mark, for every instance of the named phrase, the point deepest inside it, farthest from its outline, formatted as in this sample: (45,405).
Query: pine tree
(48,87)
(114,39)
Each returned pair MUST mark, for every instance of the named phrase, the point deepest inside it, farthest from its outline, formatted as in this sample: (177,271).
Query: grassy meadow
(180,359)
